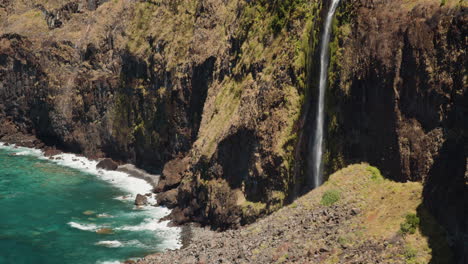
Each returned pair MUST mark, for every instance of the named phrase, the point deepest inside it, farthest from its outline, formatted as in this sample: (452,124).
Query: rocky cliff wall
(215,87)
(398,99)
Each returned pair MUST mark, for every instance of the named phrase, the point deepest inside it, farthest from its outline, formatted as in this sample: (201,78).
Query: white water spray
(324,60)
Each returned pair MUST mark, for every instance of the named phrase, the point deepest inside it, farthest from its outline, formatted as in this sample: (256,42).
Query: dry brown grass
(383,205)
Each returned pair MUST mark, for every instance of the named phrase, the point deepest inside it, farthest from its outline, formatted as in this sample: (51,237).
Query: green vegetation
(281,11)
(140,26)
(410,224)
(330,197)
(257,48)
(443,2)
(410,254)
(253,208)
(375,173)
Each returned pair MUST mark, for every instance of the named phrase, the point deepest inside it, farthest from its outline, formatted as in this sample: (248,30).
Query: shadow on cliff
(444,195)
(436,236)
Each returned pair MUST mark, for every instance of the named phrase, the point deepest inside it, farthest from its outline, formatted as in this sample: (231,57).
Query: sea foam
(85,227)
(110,243)
(123,181)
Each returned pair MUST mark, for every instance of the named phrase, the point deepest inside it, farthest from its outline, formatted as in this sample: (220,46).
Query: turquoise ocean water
(66,211)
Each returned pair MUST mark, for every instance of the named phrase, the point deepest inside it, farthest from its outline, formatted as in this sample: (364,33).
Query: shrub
(375,173)
(410,224)
(330,197)
(410,253)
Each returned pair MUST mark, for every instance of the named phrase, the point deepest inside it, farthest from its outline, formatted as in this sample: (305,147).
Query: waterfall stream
(324,61)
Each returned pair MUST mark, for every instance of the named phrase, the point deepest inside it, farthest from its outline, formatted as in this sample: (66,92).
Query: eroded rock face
(398,98)
(172,174)
(168,198)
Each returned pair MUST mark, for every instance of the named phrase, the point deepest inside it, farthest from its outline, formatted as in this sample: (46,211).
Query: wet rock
(51,152)
(88,212)
(107,164)
(141,200)
(105,231)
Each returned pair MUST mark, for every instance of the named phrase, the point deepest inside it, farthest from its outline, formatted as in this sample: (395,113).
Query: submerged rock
(105,231)
(107,164)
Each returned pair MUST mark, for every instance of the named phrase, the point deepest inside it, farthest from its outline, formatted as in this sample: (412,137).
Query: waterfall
(324,61)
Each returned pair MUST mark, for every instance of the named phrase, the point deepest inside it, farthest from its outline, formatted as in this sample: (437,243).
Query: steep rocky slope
(361,224)
(215,87)
(217,95)
(398,98)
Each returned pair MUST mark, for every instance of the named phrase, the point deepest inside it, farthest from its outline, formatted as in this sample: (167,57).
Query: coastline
(19,140)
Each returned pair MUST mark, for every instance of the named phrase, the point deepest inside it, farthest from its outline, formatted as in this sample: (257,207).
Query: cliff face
(218,95)
(214,87)
(398,98)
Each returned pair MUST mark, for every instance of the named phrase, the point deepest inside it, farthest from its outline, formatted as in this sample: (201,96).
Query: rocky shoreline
(29,141)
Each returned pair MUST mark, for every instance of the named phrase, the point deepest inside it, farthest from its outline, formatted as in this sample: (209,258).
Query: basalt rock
(107,164)
(141,200)
(172,174)
(168,198)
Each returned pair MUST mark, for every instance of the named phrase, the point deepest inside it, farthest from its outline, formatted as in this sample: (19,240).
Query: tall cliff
(217,94)
(398,99)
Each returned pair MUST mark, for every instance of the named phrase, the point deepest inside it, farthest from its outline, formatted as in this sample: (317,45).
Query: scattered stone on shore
(107,164)
(141,200)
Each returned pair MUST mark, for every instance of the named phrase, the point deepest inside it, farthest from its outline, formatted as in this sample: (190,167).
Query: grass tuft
(330,197)
(375,173)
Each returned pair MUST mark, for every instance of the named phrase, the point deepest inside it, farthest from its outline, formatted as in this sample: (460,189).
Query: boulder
(141,200)
(172,174)
(107,164)
(168,198)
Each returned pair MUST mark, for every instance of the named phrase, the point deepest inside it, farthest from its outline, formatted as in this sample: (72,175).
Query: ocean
(66,211)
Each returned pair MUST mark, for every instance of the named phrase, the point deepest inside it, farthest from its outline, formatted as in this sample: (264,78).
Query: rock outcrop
(107,164)
(141,200)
